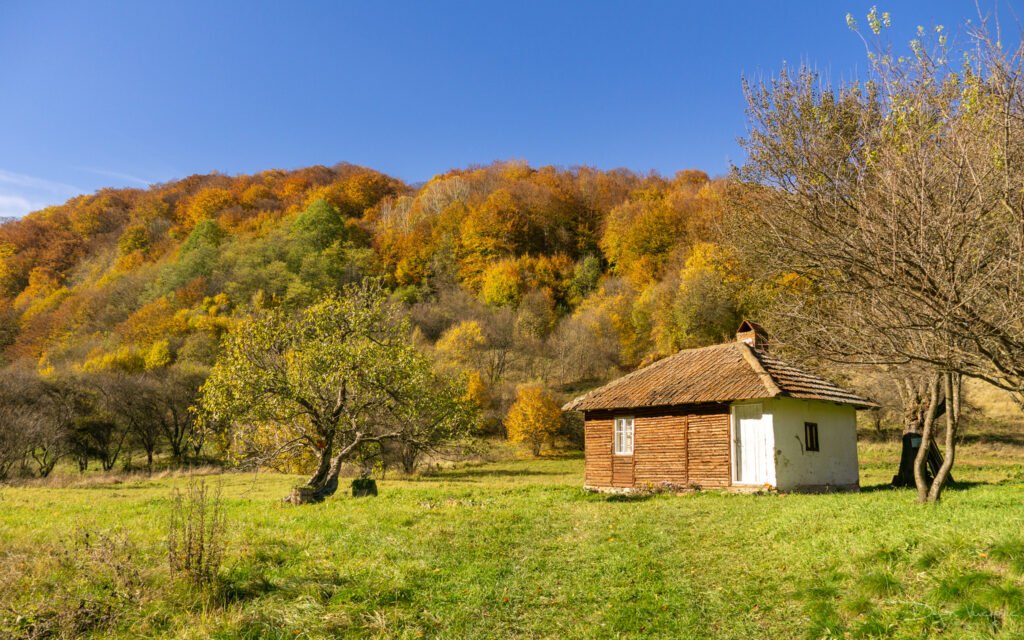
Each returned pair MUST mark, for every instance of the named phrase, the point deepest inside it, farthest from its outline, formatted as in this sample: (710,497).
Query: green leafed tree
(318,226)
(323,386)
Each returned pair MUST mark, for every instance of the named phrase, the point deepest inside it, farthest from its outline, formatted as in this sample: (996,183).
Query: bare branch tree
(887,217)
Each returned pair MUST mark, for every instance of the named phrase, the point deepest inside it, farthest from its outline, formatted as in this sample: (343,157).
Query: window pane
(624,436)
(811,436)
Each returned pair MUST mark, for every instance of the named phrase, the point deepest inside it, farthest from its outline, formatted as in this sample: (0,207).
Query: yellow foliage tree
(461,345)
(152,322)
(255,194)
(124,359)
(534,418)
(43,293)
(502,284)
(615,308)
(493,230)
(477,391)
(640,235)
(6,274)
(208,203)
(158,356)
(708,302)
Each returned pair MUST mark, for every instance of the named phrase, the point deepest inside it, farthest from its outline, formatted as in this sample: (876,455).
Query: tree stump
(364,487)
(303,495)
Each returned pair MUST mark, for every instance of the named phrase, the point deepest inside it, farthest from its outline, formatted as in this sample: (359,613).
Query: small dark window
(811,436)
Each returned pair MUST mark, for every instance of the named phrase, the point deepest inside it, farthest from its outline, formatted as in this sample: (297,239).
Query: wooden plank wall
(660,451)
(622,471)
(710,450)
(678,445)
(597,445)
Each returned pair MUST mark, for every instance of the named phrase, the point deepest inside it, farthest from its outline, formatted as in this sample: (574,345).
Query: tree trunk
(876,419)
(323,467)
(410,457)
(175,432)
(951,384)
(913,394)
(323,485)
(324,482)
(197,440)
(1018,398)
(926,439)
(46,467)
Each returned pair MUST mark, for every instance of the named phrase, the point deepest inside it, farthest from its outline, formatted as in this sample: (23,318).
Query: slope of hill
(513,272)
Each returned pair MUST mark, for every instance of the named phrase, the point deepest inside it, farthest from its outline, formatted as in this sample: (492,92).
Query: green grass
(517,549)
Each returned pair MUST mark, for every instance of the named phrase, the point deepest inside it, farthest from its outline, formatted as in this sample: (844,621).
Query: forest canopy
(508,274)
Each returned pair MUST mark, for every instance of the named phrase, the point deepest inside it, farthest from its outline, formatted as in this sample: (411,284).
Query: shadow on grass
(248,578)
(993,438)
(952,486)
(236,588)
(493,473)
(562,454)
(628,497)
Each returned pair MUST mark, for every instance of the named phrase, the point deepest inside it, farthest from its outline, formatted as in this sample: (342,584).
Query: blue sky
(123,94)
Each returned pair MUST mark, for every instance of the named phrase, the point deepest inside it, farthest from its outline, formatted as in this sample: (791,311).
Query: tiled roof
(722,373)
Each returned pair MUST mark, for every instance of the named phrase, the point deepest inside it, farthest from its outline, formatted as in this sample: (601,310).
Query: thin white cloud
(118,175)
(17,206)
(36,184)
(21,193)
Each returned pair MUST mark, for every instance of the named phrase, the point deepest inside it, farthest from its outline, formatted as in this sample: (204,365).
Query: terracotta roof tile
(721,373)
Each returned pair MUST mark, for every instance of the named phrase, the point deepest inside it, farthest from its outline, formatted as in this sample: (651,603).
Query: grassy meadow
(517,549)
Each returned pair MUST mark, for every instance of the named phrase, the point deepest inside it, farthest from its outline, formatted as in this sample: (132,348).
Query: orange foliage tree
(534,418)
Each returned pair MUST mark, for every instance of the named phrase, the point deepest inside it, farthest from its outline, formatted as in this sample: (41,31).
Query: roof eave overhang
(575,405)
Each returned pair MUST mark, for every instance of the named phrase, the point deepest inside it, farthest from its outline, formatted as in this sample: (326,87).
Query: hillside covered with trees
(113,306)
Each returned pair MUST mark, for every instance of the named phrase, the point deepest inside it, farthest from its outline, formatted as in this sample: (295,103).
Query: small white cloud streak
(16,206)
(31,182)
(126,177)
(21,193)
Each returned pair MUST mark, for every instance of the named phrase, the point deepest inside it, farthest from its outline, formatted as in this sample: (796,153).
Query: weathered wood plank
(679,445)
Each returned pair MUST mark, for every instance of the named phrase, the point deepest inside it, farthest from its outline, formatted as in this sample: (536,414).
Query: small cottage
(728,416)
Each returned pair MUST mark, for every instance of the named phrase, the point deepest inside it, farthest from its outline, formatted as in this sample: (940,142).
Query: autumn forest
(516,279)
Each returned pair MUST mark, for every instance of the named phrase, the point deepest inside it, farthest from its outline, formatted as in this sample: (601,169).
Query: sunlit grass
(517,549)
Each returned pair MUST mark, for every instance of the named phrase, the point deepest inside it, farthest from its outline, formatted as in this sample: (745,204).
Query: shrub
(195,540)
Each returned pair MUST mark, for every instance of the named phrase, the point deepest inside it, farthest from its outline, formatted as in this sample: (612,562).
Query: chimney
(752,334)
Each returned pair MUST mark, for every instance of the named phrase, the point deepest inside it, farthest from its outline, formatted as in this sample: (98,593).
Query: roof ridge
(751,356)
(717,373)
(808,380)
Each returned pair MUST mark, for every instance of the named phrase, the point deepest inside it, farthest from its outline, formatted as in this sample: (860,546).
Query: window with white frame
(624,436)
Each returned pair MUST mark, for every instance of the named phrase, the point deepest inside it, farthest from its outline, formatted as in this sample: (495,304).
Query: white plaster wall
(835,464)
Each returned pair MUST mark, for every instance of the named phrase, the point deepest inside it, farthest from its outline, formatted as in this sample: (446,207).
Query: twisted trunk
(324,482)
(920,480)
(951,385)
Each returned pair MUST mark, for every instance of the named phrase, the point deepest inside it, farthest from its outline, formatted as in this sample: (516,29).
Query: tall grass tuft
(195,537)
(92,584)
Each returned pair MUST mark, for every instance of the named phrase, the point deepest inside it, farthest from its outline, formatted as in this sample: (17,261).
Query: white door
(753,445)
